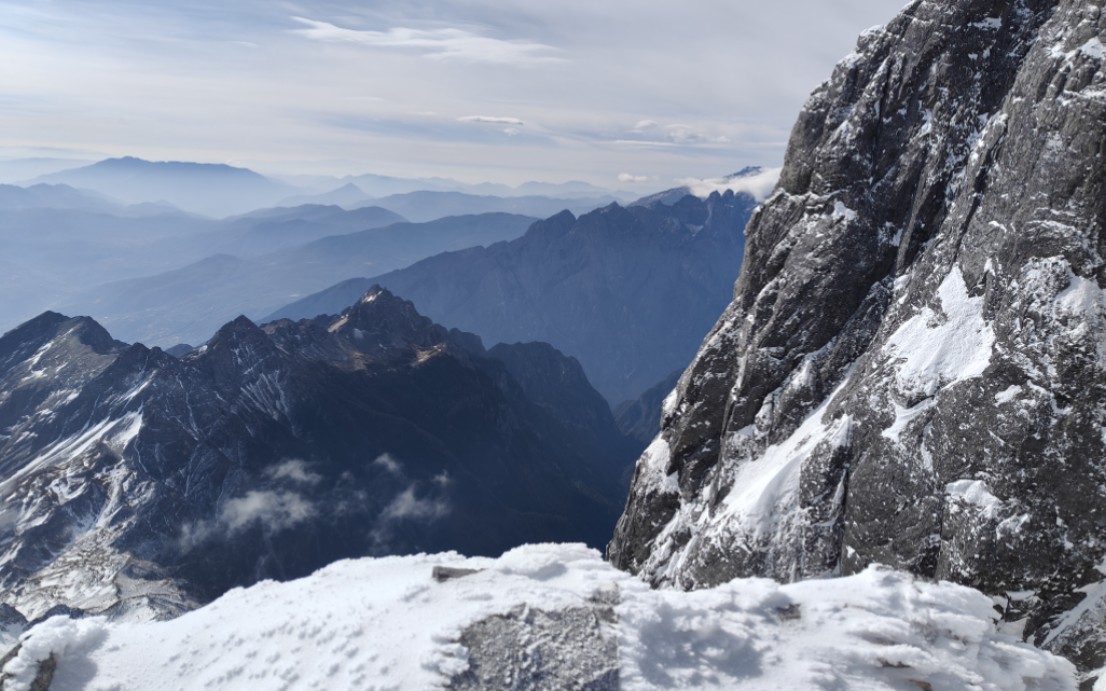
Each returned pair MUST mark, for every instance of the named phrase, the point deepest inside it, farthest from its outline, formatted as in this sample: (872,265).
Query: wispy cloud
(275,510)
(407,505)
(295,470)
(630,178)
(435,44)
(492,120)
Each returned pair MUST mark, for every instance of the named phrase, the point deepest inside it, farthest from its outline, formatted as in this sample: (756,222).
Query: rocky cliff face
(913,368)
(135,484)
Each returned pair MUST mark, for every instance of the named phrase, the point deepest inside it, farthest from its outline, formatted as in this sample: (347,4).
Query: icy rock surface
(520,621)
(913,368)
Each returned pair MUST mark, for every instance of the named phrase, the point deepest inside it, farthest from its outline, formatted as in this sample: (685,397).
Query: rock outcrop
(913,368)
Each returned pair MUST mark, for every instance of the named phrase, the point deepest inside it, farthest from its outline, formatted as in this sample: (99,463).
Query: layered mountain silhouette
(627,291)
(206,188)
(187,304)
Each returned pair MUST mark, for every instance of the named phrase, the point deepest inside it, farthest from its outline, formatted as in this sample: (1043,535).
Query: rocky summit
(136,485)
(913,369)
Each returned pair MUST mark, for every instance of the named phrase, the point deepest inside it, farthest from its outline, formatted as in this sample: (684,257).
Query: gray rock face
(913,368)
(531,649)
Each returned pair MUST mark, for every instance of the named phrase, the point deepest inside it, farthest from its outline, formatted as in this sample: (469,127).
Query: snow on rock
(386,624)
(938,348)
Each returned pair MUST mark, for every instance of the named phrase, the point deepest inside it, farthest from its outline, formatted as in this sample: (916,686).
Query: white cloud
(436,44)
(295,470)
(389,462)
(275,510)
(759,186)
(407,506)
(492,119)
(167,81)
(628,178)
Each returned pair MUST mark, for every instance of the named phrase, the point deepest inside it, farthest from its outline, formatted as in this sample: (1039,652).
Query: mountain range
(628,291)
(187,304)
(134,483)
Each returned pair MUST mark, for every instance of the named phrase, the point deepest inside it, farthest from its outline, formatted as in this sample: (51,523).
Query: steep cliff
(913,368)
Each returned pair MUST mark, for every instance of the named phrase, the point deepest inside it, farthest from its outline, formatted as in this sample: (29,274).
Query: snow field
(386,624)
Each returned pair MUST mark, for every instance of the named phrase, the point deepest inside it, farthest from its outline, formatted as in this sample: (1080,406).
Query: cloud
(758,185)
(492,119)
(275,510)
(408,506)
(294,470)
(627,177)
(389,463)
(436,44)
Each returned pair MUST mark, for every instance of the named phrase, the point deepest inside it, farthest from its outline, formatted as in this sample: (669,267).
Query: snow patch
(975,493)
(653,466)
(1008,394)
(903,417)
(936,349)
(840,211)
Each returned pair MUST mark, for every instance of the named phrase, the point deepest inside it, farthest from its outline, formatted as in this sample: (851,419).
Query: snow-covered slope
(549,617)
(913,368)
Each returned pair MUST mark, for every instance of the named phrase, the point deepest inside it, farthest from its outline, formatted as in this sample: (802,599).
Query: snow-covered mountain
(547,618)
(135,484)
(913,368)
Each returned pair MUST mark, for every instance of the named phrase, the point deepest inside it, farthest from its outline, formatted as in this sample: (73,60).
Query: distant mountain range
(135,484)
(428,205)
(630,292)
(220,190)
(187,304)
(211,189)
(69,241)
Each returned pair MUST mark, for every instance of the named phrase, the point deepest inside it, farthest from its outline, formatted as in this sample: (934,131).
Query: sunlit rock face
(913,368)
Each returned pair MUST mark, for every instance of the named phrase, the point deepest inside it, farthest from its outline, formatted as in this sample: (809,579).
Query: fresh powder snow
(386,623)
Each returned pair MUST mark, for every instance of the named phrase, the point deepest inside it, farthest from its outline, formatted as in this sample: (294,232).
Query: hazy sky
(472,89)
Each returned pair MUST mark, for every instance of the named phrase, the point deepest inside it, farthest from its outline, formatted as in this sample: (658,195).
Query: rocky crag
(913,368)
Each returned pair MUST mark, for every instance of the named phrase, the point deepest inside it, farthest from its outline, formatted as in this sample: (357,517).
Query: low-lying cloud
(276,511)
(759,185)
(407,505)
(295,470)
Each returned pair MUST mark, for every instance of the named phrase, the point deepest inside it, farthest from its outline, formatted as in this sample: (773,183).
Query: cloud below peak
(446,44)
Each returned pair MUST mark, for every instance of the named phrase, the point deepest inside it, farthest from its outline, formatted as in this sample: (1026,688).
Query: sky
(621,93)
